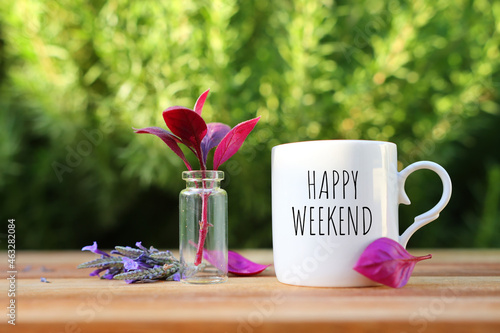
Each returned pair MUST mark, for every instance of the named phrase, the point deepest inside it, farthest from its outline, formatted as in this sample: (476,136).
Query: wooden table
(456,291)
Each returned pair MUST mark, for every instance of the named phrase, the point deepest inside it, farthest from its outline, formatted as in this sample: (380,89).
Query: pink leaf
(187,125)
(215,133)
(167,137)
(236,263)
(239,265)
(233,141)
(386,261)
(198,106)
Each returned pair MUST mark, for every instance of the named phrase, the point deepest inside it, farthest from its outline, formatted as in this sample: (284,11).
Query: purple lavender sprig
(133,264)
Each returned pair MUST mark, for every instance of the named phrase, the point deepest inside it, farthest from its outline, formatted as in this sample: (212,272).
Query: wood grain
(456,291)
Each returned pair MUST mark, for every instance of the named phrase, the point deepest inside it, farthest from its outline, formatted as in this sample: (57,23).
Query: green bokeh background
(77,75)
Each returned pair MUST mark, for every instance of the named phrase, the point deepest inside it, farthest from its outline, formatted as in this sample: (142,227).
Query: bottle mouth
(203,175)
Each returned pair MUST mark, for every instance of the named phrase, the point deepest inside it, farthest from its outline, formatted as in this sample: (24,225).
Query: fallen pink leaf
(385,261)
(239,265)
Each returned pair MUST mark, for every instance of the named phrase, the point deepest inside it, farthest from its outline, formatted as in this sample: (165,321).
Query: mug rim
(368,142)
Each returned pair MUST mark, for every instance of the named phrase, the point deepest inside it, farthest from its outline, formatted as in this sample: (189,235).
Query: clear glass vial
(203,215)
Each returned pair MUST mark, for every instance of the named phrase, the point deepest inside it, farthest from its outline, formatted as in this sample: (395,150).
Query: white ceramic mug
(330,200)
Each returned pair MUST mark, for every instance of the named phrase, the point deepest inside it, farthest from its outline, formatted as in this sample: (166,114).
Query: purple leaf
(239,265)
(187,125)
(93,248)
(167,137)
(386,261)
(215,133)
(236,263)
(233,141)
(198,106)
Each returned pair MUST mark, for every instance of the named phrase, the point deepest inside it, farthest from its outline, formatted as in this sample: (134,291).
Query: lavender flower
(129,264)
(97,271)
(133,264)
(93,248)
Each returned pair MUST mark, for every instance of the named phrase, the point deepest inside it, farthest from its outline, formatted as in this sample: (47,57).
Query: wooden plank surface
(456,291)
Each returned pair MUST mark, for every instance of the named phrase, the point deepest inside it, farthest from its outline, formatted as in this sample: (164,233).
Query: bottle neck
(207,179)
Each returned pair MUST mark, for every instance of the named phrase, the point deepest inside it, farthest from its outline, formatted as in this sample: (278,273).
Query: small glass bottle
(203,228)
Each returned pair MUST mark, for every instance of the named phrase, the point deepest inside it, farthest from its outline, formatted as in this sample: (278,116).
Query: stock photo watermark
(428,146)
(88,309)
(75,154)
(264,309)
(420,318)
(362,36)
(234,168)
(11,271)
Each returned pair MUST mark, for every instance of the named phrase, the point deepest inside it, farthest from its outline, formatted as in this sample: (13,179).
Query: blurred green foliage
(77,75)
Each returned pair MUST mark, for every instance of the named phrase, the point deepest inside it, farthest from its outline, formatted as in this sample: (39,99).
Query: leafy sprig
(188,127)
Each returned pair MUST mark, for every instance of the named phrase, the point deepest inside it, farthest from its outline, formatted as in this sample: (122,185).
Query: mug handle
(433,213)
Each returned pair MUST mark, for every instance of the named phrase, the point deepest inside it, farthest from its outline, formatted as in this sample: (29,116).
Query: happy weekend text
(338,220)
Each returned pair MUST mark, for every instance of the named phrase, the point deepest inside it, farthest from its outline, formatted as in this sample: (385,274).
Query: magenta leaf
(198,106)
(236,263)
(215,133)
(239,265)
(233,141)
(167,137)
(385,261)
(187,125)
